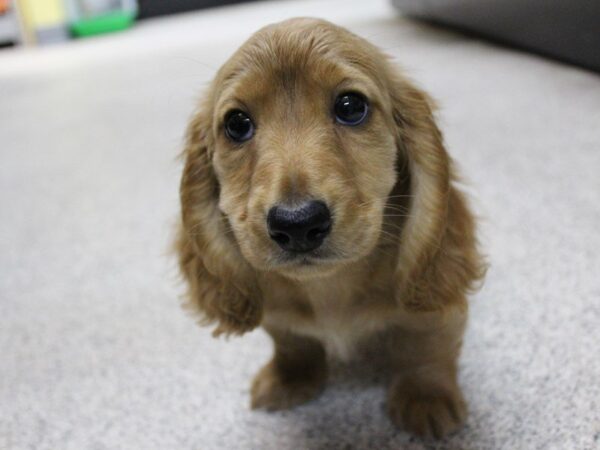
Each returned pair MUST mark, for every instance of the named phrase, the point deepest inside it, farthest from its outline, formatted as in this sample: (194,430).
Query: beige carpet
(95,351)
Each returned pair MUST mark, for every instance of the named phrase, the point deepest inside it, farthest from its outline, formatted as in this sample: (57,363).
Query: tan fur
(402,253)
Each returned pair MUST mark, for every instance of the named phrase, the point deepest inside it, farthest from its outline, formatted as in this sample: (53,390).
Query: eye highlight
(350,108)
(238,126)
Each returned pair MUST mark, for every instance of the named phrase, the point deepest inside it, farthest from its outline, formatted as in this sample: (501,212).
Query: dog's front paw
(274,390)
(426,410)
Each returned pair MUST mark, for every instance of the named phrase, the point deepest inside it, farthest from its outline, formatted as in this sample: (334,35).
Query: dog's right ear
(222,287)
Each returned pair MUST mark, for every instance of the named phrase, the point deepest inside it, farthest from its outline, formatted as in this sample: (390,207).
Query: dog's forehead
(304,54)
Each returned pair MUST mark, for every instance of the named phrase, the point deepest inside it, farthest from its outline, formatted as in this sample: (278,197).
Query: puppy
(318,201)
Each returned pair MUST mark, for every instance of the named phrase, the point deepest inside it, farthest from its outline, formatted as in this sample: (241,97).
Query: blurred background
(566,30)
(48,21)
(95,351)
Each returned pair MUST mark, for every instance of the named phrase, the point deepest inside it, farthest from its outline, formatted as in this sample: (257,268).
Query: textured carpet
(95,352)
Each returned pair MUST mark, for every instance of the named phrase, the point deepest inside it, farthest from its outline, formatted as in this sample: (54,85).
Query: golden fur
(402,253)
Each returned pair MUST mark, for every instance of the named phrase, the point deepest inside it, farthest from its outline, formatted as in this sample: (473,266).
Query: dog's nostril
(300,229)
(280,238)
(319,233)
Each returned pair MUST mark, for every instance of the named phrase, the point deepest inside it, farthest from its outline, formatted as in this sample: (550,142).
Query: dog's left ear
(420,146)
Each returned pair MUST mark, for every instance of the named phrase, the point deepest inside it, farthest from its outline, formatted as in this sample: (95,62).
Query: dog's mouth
(317,263)
(304,259)
(322,259)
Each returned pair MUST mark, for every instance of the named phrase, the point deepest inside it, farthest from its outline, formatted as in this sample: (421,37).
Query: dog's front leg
(296,373)
(424,397)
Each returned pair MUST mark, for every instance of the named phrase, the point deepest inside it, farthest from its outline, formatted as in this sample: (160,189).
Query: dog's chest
(343,318)
(339,314)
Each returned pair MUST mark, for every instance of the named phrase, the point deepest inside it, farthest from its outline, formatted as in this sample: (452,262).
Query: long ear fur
(438,261)
(222,288)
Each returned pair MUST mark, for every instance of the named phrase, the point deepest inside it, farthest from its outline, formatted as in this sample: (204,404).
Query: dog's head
(294,154)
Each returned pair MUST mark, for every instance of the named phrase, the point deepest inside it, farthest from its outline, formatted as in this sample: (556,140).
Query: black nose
(300,229)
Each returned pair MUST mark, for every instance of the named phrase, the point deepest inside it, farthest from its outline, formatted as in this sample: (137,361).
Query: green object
(114,21)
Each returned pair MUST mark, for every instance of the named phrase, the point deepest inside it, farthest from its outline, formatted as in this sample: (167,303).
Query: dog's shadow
(350,413)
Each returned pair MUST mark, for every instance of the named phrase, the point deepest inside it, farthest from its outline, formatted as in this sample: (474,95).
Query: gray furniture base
(568,30)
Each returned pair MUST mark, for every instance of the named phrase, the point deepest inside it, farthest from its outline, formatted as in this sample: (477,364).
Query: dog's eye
(350,109)
(238,126)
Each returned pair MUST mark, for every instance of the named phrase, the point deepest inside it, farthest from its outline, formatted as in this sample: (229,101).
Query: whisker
(392,206)
(388,198)
(386,253)
(400,195)
(390,235)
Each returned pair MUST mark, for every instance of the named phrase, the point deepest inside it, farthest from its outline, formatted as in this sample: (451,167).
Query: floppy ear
(222,287)
(421,147)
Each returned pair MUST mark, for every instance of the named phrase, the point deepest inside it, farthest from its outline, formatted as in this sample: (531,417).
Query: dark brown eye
(351,109)
(238,126)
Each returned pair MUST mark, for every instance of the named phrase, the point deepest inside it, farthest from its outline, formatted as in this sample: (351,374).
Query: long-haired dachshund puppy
(318,202)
